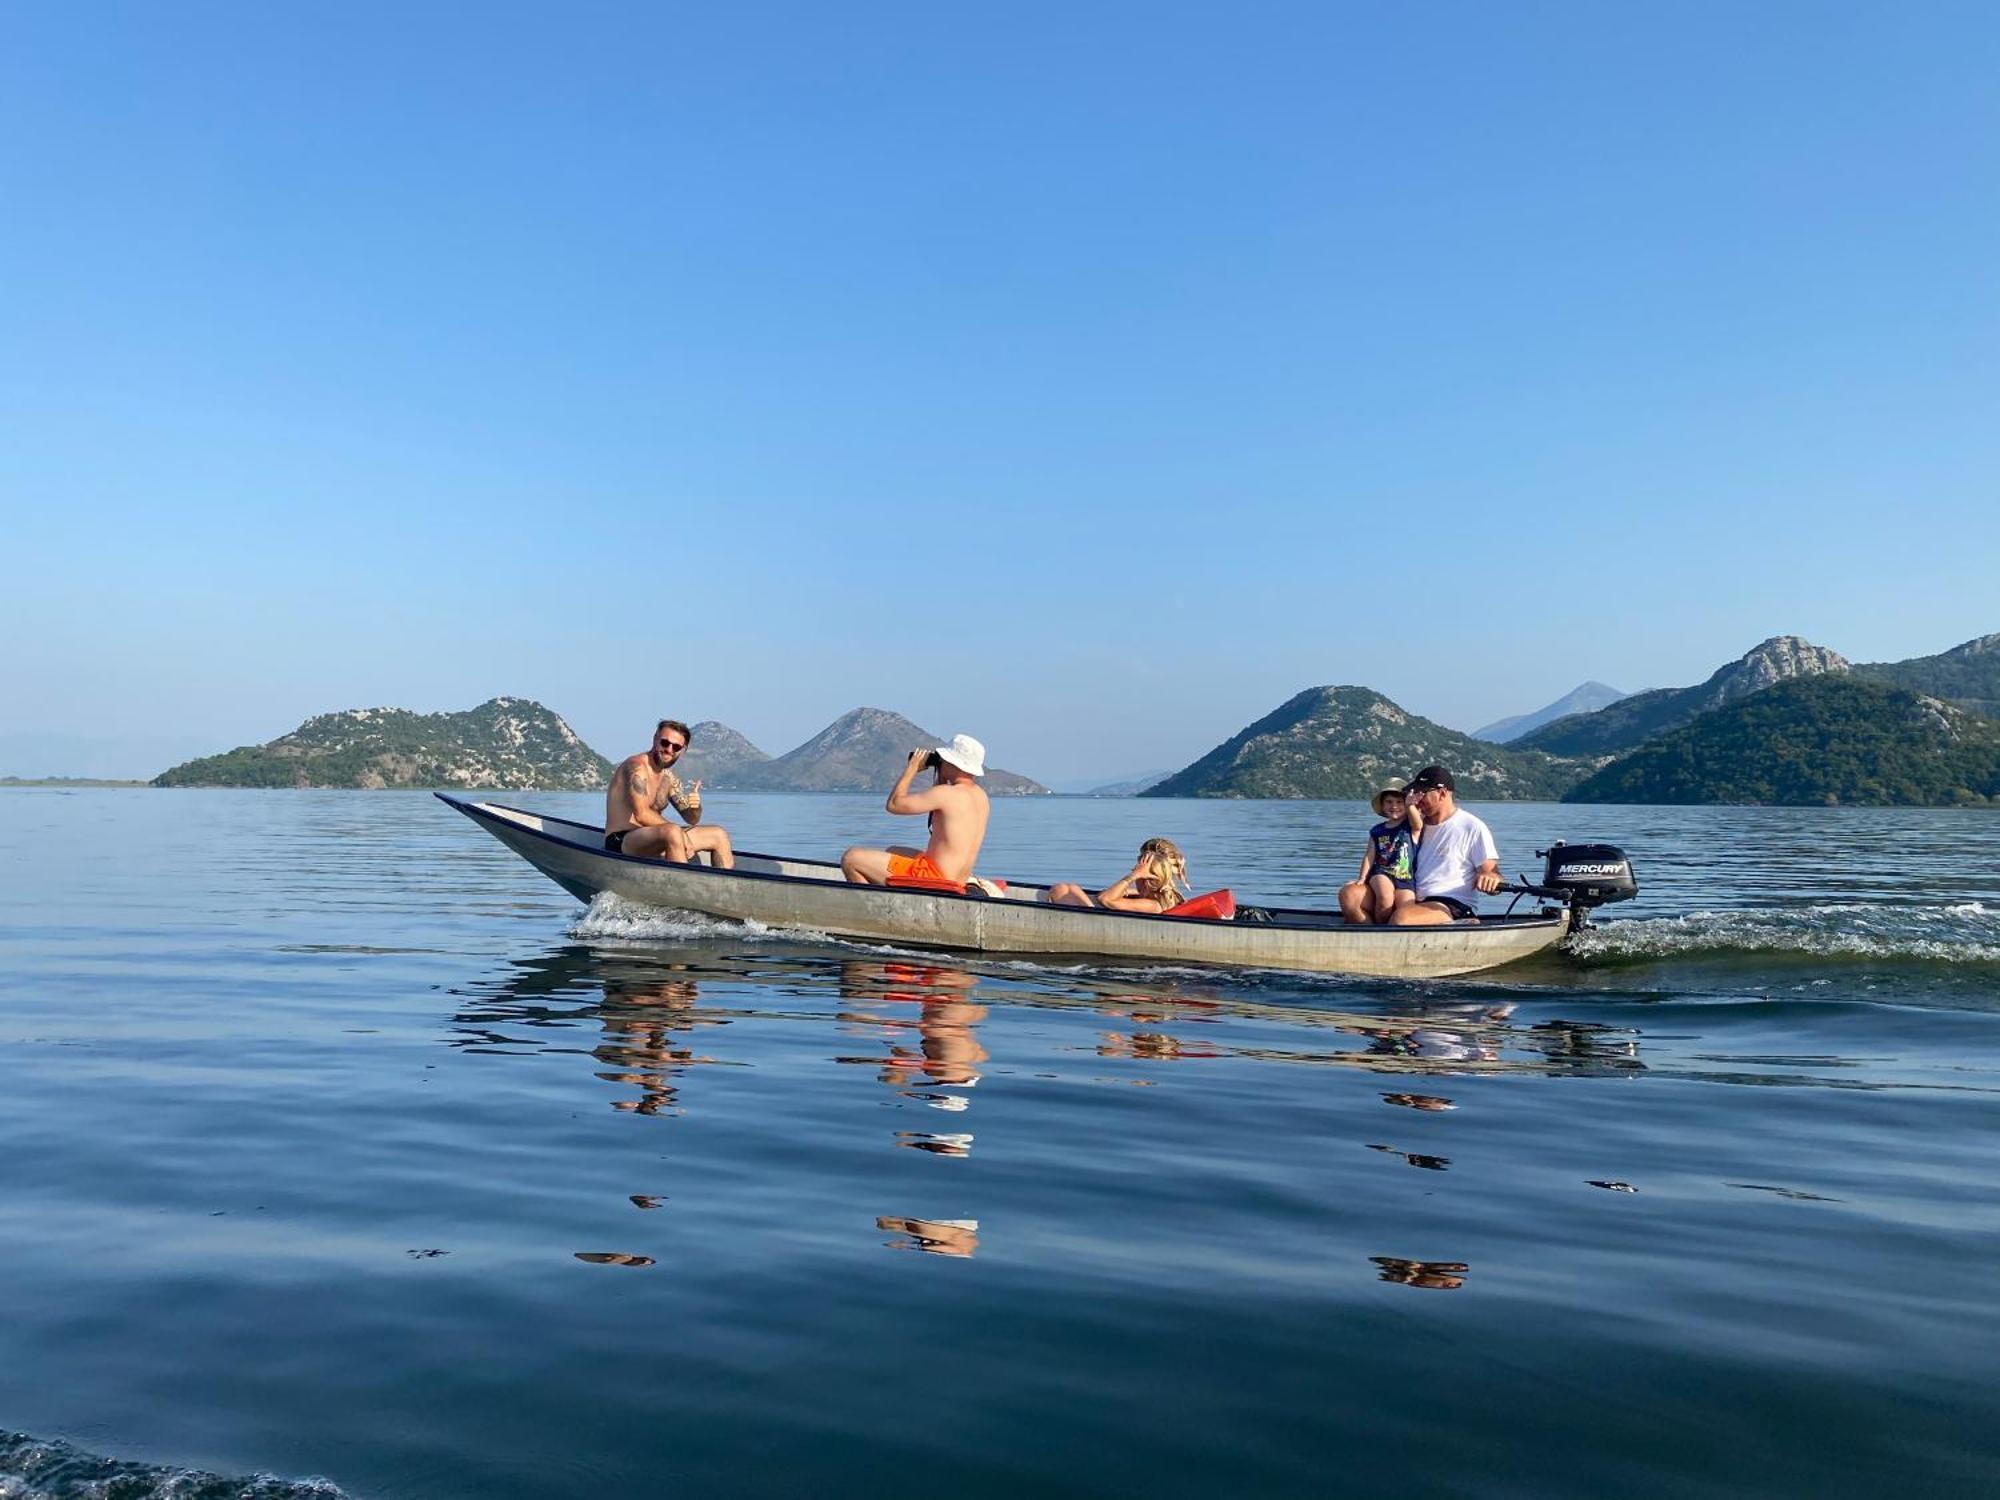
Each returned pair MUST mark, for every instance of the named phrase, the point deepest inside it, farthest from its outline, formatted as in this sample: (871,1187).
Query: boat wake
(1964,932)
(612,917)
(31,1469)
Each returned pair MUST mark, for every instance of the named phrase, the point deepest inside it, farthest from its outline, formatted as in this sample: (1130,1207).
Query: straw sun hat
(1395,786)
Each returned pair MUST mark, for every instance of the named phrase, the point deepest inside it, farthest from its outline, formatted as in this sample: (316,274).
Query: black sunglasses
(674,745)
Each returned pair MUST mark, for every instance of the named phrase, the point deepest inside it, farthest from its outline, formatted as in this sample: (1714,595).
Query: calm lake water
(343,1150)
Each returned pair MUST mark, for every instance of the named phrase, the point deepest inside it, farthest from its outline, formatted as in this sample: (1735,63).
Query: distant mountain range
(517,743)
(1788,722)
(1584,698)
(1342,742)
(1634,720)
(861,751)
(503,743)
(1126,786)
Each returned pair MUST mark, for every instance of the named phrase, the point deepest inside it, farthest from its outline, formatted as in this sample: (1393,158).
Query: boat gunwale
(486,811)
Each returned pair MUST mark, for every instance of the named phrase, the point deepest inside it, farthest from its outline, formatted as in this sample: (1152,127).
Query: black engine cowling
(1587,875)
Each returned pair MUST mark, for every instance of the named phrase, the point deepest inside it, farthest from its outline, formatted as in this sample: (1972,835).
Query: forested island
(504,742)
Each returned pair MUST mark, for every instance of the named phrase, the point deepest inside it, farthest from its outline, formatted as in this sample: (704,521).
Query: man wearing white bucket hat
(957,808)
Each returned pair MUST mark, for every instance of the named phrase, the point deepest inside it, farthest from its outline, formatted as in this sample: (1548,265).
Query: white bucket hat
(966,753)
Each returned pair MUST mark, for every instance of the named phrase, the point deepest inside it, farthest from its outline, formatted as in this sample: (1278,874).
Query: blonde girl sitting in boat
(1154,886)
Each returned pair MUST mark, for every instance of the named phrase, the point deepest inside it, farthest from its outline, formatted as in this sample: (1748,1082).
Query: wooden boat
(779,891)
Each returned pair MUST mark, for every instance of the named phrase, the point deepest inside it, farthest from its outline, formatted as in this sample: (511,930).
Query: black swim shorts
(615,842)
(1460,912)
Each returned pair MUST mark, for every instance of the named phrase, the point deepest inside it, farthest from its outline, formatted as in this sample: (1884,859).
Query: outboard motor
(1584,877)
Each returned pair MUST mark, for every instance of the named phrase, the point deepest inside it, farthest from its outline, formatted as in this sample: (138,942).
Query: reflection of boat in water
(647,1011)
(923,1022)
(811,894)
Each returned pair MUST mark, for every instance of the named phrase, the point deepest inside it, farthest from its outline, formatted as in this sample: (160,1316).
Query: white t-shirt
(1450,854)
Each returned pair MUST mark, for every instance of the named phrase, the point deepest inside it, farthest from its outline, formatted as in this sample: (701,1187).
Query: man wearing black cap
(1456,860)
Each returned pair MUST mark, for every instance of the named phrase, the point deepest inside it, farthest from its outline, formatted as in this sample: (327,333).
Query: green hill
(507,742)
(1967,675)
(1812,742)
(1340,742)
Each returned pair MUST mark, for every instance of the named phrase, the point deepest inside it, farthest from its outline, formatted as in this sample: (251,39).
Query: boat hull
(807,894)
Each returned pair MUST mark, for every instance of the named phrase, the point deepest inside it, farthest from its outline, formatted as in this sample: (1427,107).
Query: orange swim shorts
(914,867)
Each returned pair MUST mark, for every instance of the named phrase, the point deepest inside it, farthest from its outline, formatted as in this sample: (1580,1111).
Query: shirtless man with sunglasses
(643,787)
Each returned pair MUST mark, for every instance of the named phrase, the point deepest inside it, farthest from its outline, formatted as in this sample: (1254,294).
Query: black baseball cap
(1432,776)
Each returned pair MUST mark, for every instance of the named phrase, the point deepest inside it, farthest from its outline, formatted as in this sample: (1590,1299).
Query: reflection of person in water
(936,1236)
(1436,1275)
(1427,1049)
(1153,1046)
(1151,1011)
(642,1013)
(1587,1047)
(642,1006)
(1435,1038)
(947,1050)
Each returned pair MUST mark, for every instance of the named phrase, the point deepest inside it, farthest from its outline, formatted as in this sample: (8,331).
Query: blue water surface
(345,1154)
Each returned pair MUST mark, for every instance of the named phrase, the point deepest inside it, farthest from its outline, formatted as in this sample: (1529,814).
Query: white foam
(1961,932)
(612,917)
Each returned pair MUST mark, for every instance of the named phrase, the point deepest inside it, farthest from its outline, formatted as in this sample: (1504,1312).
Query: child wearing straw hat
(1388,863)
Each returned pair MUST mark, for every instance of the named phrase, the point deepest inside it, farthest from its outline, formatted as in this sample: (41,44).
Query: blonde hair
(1168,869)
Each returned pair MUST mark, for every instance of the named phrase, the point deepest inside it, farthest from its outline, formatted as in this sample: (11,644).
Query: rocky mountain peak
(716,753)
(861,751)
(1776,660)
(714,735)
(860,726)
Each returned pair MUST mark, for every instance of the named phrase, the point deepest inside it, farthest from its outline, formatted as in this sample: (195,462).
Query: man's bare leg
(714,842)
(871,866)
(865,866)
(1354,903)
(657,841)
(1420,914)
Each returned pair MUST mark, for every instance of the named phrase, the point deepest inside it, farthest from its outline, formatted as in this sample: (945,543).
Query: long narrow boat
(779,891)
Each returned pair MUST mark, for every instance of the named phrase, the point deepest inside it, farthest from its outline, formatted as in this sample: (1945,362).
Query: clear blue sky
(1087,376)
